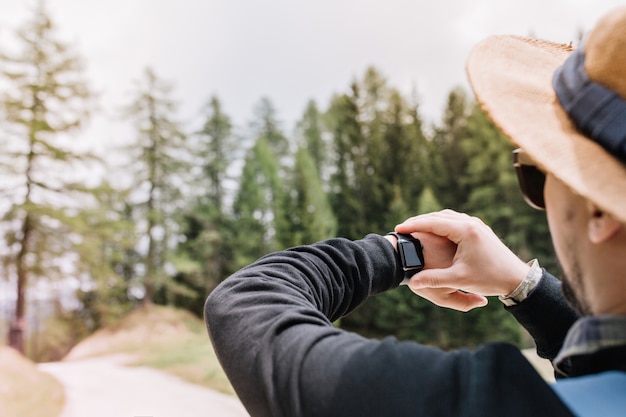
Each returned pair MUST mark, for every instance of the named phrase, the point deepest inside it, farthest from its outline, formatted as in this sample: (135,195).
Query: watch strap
(409,270)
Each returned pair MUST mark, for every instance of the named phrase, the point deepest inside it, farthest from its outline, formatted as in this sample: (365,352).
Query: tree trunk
(17,328)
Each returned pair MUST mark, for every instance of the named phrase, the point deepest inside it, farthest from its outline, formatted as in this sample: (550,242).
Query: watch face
(410,256)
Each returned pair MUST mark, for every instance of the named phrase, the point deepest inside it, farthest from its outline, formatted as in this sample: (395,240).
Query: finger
(447,213)
(451,298)
(437,278)
(454,228)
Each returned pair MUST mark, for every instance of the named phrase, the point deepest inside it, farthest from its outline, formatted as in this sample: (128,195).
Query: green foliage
(205,256)
(159,168)
(361,166)
(205,204)
(449,161)
(109,241)
(214,151)
(46,98)
(266,126)
(409,317)
(310,215)
(347,153)
(310,131)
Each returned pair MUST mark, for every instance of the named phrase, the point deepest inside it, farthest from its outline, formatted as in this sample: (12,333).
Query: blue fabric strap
(595,395)
(597,112)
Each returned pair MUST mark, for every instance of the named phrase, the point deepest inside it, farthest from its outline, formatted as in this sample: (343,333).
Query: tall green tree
(403,160)
(109,250)
(46,97)
(379,151)
(348,148)
(310,131)
(261,201)
(214,152)
(448,158)
(259,207)
(266,126)
(310,215)
(205,257)
(160,164)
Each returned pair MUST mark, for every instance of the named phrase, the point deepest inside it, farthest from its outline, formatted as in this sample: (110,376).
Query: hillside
(164,338)
(24,390)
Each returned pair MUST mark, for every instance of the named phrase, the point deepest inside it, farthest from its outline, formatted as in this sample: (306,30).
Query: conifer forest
(177,209)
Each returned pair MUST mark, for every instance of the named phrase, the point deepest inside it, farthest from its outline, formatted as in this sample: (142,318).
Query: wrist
(517,274)
(526,286)
(393,240)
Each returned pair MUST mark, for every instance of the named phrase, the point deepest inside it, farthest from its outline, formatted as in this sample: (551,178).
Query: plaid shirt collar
(588,336)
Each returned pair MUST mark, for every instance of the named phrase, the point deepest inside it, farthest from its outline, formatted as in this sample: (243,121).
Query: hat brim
(512,80)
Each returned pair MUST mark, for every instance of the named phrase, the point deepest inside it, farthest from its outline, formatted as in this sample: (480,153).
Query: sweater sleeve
(265,319)
(271,327)
(546,315)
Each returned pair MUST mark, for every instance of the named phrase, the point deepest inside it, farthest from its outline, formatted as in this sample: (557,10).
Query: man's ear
(602,226)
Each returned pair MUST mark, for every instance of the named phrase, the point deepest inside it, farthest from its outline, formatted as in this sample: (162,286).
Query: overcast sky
(287,50)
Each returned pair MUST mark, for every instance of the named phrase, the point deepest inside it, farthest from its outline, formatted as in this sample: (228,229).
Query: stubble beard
(574,290)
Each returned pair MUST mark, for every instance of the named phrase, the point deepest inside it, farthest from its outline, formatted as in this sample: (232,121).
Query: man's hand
(480,266)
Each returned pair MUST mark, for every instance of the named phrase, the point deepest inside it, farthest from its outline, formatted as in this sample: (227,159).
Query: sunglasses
(531,179)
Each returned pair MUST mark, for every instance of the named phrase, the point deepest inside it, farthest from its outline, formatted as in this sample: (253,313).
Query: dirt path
(103,387)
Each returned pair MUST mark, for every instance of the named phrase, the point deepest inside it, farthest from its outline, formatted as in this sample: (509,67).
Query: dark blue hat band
(597,112)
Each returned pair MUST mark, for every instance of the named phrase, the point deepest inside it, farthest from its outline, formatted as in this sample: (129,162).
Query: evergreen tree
(348,149)
(309,214)
(381,156)
(266,125)
(403,160)
(160,163)
(214,151)
(205,256)
(371,182)
(46,97)
(449,162)
(259,206)
(109,251)
(310,131)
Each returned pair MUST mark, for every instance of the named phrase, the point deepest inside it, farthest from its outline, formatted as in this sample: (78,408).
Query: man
(271,326)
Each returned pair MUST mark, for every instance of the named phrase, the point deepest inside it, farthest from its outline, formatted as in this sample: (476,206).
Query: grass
(171,340)
(192,360)
(24,390)
(167,339)
(175,341)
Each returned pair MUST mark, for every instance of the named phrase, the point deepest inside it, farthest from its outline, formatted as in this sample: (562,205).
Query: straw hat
(515,79)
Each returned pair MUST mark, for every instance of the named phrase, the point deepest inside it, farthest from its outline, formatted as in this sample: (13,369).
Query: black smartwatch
(411,254)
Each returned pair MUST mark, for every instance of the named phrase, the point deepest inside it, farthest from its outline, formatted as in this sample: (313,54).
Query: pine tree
(46,98)
(259,206)
(449,162)
(205,256)
(348,150)
(266,125)
(109,250)
(309,214)
(160,163)
(310,131)
(214,152)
